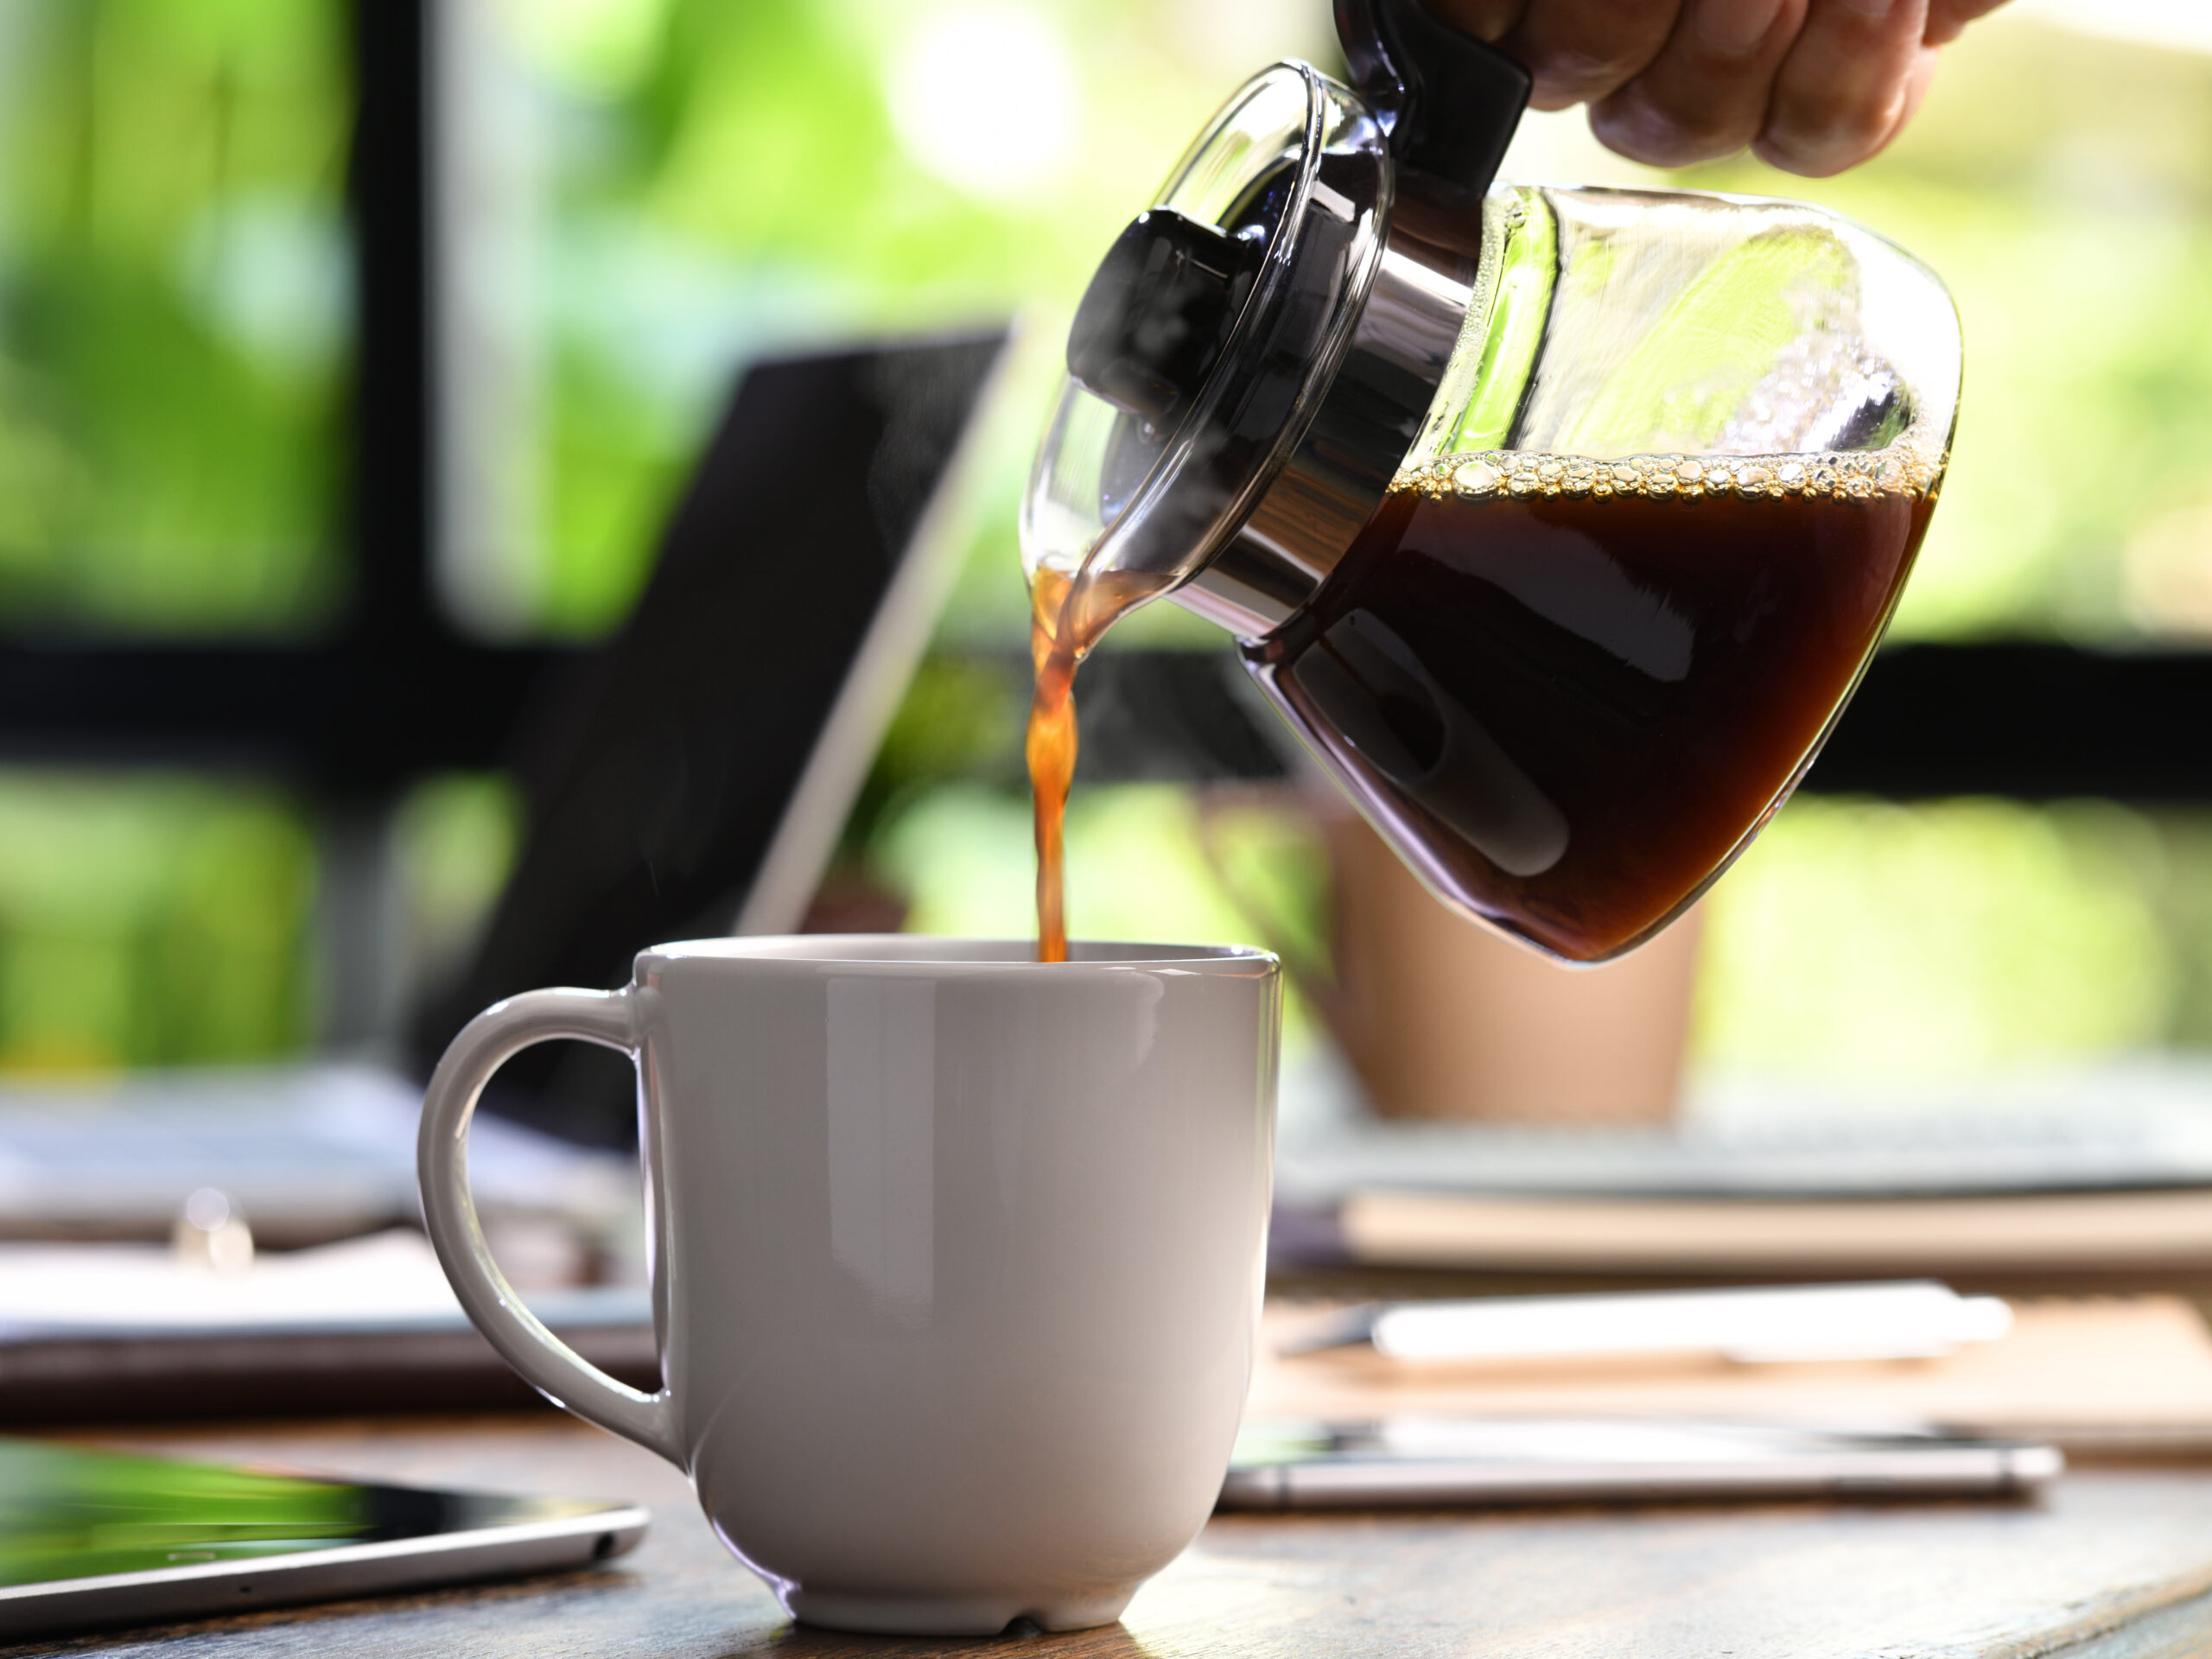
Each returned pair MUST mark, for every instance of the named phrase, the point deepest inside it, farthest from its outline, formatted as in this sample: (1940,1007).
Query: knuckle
(1714,131)
(1811,154)
(1588,50)
(1573,75)
(1669,134)
(1830,136)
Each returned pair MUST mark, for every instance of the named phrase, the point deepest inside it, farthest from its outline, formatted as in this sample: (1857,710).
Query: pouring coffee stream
(1559,522)
(1067,616)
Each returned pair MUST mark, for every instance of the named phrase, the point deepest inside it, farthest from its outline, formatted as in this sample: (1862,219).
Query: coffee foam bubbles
(1513,474)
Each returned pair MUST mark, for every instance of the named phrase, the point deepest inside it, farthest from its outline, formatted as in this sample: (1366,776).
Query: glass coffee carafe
(1560,522)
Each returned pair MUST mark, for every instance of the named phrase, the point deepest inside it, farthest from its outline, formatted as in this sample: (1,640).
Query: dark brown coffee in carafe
(1573,688)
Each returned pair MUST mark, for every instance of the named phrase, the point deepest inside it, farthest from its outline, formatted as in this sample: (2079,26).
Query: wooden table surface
(2116,1564)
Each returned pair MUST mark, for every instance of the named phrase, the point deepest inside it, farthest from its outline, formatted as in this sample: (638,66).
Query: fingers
(1583,50)
(1706,94)
(1813,86)
(1947,18)
(1848,83)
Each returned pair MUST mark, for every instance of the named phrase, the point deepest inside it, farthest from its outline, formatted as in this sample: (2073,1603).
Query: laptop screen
(690,780)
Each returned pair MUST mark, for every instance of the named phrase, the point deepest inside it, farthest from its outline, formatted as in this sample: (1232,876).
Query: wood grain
(2107,1569)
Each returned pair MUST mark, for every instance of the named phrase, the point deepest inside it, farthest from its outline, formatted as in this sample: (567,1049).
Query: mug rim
(949,952)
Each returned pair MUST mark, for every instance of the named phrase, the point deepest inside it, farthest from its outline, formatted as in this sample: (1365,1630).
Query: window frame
(393,691)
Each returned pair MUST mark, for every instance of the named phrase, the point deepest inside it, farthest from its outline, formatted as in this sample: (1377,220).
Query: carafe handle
(1450,103)
(546,1363)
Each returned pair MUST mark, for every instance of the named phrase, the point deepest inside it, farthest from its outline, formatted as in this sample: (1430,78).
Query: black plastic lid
(1214,329)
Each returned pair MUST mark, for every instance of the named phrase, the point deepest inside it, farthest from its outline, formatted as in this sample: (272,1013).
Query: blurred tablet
(1418,1461)
(90,1539)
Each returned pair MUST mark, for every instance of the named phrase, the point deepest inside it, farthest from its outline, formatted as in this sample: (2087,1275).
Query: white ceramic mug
(957,1258)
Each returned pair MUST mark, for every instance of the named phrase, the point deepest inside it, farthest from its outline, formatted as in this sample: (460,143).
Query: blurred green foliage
(150,920)
(1867,940)
(959,723)
(454,838)
(1880,943)
(174,314)
(712,179)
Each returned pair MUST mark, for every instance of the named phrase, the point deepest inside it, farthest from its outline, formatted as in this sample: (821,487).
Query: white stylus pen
(1910,1319)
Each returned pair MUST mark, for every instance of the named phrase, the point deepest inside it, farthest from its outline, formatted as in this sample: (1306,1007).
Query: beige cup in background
(1440,1018)
(957,1256)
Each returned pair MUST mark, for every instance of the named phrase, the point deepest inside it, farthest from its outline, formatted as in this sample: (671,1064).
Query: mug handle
(546,1363)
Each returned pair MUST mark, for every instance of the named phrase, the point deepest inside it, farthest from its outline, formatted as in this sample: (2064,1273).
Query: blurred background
(634,197)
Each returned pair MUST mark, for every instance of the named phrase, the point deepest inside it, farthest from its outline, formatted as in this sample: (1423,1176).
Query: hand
(1813,87)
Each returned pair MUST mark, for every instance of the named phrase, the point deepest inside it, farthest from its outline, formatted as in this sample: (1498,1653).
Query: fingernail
(1874,9)
(1734,27)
